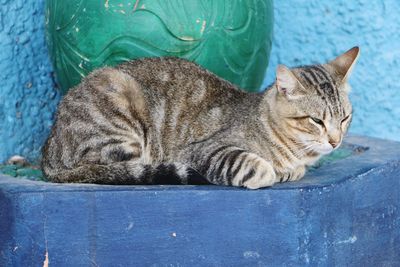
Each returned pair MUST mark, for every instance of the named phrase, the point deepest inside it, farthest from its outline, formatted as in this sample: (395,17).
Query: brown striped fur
(169,121)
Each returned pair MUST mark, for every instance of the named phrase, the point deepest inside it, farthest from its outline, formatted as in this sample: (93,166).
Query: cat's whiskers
(302,148)
(308,148)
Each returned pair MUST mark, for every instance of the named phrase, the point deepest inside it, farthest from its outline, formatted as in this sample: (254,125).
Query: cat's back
(173,76)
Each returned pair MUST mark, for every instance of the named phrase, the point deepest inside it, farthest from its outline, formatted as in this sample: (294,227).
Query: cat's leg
(254,173)
(229,165)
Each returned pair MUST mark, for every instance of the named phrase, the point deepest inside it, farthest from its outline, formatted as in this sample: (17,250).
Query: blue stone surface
(305,32)
(346,213)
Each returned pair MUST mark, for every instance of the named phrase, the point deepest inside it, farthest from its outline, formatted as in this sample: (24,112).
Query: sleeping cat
(169,121)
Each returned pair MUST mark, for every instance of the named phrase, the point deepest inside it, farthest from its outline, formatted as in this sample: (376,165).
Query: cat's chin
(324,150)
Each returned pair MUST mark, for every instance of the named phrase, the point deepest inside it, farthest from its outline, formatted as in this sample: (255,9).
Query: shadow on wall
(315,31)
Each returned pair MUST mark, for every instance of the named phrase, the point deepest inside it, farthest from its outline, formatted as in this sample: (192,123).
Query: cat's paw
(298,173)
(256,173)
(293,175)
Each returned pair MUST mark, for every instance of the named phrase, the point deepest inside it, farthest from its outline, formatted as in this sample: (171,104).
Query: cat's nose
(334,139)
(333,143)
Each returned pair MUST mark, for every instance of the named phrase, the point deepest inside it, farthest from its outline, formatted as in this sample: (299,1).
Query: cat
(169,121)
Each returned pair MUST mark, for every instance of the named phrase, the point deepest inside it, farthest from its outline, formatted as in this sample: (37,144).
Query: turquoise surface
(230,38)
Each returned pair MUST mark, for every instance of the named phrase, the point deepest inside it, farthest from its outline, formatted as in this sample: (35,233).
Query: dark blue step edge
(346,213)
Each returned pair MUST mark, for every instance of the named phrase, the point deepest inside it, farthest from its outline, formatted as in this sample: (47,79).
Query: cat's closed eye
(346,118)
(317,121)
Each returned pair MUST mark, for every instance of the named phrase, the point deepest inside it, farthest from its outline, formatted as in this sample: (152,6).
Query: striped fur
(169,121)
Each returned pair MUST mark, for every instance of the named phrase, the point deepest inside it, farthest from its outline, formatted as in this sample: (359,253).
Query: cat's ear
(344,63)
(286,83)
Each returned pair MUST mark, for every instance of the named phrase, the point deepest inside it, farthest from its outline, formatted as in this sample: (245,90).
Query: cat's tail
(127,173)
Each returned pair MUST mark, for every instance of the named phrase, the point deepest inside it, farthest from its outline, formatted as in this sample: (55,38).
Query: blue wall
(27,95)
(305,32)
(315,31)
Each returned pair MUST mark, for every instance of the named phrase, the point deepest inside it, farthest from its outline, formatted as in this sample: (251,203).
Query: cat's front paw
(256,173)
(293,175)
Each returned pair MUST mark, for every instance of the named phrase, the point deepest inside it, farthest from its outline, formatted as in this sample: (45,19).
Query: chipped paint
(251,255)
(187,38)
(136,5)
(350,240)
(203,26)
(130,226)
(46,260)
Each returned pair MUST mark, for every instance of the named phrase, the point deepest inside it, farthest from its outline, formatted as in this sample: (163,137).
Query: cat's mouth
(320,148)
(325,149)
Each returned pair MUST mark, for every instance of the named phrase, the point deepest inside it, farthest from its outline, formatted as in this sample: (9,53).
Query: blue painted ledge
(343,214)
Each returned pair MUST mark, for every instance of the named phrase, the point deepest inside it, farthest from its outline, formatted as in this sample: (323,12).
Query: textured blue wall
(315,31)
(305,32)
(27,95)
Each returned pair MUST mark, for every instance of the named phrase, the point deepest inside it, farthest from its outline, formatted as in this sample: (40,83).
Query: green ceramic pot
(230,38)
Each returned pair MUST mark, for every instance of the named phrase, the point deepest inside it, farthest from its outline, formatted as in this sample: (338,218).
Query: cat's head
(313,103)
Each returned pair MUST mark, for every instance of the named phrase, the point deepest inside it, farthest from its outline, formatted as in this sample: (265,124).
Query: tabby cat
(169,121)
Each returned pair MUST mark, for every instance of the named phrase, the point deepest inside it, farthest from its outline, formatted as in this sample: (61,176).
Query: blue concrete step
(345,213)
